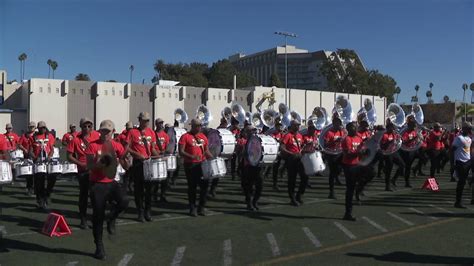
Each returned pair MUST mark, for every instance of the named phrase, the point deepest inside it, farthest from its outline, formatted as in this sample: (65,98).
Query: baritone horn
(238,113)
(269,117)
(180,115)
(203,114)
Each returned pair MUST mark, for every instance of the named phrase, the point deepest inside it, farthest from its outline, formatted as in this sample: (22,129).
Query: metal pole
(286,63)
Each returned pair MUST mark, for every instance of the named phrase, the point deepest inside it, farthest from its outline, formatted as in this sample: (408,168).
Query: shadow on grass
(407,257)
(8,245)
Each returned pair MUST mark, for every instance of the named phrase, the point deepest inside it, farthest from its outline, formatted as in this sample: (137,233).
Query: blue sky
(416,42)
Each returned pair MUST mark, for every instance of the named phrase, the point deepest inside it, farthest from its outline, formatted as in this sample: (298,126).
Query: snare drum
(23,170)
(270,149)
(313,163)
(171,163)
(55,153)
(6,176)
(55,168)
(119,174)
(69,169)
(16,155)
(213,168)
(154,170)
(40,168)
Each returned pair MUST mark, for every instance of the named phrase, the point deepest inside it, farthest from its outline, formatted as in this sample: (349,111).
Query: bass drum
(261,149)
(270,148)
(221,142)
(174,134)
(254,150)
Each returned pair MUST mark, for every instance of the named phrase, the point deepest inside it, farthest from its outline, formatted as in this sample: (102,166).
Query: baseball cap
(129,124)
(32,124)
(72,125)
(144,116)
(9,125)
(158,120)
(85,120)
(41,124)
(107,124)
(195,122)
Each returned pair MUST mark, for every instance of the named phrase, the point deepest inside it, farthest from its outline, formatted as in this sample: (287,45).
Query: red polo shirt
(364,135)
(435,141)
(68,137)
(162,140)
(350,147)
(409,137)
(333,138)
(278,136)
(136,141)
(293,142)
(78,147)
(195,145)
(98,148)
(12,140)
(35,143)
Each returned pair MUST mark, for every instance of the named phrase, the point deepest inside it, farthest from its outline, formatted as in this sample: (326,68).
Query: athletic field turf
(408,226)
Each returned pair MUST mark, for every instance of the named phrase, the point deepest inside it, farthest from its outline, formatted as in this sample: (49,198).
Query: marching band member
(461,152)
(142,146)
(310,141)
(333,140)
(162,141)
(11,137)
(25,147)
(102,156)
(69,136)
(277,135)
(388,138)
(352,171)
(234,128)
(193,147)
(421,155)
(250,174)
(435,148)
(409,138)
(76,154)
(291,146)
(454,133)
(122,138)
(41,150)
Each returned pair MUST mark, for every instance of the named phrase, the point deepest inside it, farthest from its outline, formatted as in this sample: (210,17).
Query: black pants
(462,171)
(294,168)
(83,179)
(214,184)
(141,189)
(233,163)
(368,172)
(162,186)
(42,179)
(193,173)
(408,157)
(29,182)
(352,174)
(250,178)
(389,161)
(422,155)
(435,157)
(101,193)
(275,169)
(335,166)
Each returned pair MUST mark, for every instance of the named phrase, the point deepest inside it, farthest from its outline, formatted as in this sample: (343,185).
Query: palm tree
(22,58)
(49,62)
(464,88)
(446,99)
(464,110)
(471,87)
(82,76)
(54,66)
(131,72)
(397,92)
(431,86)
(429,94)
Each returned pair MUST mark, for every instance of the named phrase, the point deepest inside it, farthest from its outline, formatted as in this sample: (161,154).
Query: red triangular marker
(56,225)
(431,184)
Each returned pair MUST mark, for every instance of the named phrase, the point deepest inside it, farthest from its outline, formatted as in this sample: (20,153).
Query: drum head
(215,142)
(172,144)
(254,150)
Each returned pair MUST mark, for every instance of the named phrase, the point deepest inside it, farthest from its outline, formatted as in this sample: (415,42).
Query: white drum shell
(213,168)
(55,153)
(16,155)
(69,168)
(6,175)
(119,174)
(227,141)
(171,163)
(55,168)
(40,168)
(270,149)
(313,163)
(154,170)
(22,170)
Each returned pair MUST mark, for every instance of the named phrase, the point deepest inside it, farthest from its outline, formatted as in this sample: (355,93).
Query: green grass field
(408,226)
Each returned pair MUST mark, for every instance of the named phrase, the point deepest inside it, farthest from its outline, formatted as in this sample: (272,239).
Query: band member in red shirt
(102,156)
(162,141)
(277,134)
(24,145)
(364,132)
(352,171)
(234,128)
(12,139)
(422,155)
(435,148)
(193,147)
(69,136)
(41,151)
(291,147)
(409,139)
(3,148)
(333,140)
(455,132)
(388,140)
(142,146)
(76,154)
(122,138)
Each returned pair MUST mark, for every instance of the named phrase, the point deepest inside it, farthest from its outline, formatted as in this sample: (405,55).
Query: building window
(188,96)
(236,98)
(82,91)
(176,96)
(241,99)
(169,95)
(113,92)
(194,95)
(214,97)
(49,89)
(73,91)
(57,90)
(225,98)
(41,89)
(120,93)
(106,92)
(141,94)
(163,95)
(89,91)
(219,96)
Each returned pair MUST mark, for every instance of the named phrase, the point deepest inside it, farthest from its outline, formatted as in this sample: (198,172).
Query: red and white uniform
(409,138)
(387,138)
(424,144)
(333,139)
(435,141)
(364,134)
(25,141)
(194,145)
(293,142)
(12,140)
(98,148)
(68,137)
(79,145)
(350,146)
(162,140)
(278,136)
(136,141)
(3,144)
(310,142)
(122,138)
(41,141)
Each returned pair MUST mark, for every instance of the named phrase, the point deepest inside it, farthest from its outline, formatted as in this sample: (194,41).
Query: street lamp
(286,34)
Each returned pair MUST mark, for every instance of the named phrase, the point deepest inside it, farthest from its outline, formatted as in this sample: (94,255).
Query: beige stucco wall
(194,98)
(5,118)
(327,101)
(380,107)
(217,100)
(242,97)
(313,99)
(141,100)
(297,102)
(112,102)
(80,101)
(47,102)
(167,100)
